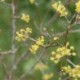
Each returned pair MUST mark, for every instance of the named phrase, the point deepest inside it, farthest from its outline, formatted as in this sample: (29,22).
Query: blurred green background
(43,16)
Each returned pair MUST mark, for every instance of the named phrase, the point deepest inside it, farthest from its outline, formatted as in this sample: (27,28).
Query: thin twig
(69,61)
(37,60)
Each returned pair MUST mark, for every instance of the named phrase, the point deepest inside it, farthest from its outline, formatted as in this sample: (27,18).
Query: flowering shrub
(45,50)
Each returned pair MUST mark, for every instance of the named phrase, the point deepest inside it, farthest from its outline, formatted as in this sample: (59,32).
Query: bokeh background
(42,16)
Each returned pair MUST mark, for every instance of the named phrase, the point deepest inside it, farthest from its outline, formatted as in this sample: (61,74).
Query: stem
(66,34)
(69,61)
(13,41)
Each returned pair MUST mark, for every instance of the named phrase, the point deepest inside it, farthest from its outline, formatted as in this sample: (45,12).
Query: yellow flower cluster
(47,76)
(25,17)
(23,34)
(41,66)
(72,72)
(34,48)
(77,6)
(62,52)
(58,6)
(32,1)
(39,42)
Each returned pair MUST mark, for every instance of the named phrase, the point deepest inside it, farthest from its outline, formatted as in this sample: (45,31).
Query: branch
(37,60)
(12,56)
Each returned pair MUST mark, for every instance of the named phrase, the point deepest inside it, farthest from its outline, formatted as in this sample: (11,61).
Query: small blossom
(60,8)
(34,48)
(71,47)
(77,6)
(62,52)
(40,40)
(72,72)
(55,38)
(25,17)
(32,1)
(23,34)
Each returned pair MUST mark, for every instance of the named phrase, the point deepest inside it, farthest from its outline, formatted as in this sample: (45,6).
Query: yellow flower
(55,38)
(32,1)
(72,72)
(77,6)
(19,36)
(61,52)
(25,17)
(23,34)
(73,54)
(34,48)
(66,69)
(60,8)
(72,47)
(28,30)
(40,41)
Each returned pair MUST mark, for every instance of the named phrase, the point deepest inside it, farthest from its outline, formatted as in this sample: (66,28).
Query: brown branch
(12,55)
